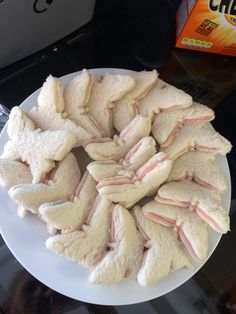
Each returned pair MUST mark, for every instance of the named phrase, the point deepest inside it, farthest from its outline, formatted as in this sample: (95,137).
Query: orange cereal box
(207,25)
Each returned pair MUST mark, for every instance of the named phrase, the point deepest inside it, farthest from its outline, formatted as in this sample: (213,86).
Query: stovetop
(134,35)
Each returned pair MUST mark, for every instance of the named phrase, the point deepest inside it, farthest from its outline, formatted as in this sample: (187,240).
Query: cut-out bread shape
(127,191)
(105,94)
(125,109)
(60,185)
(198,167)
(77,94)
(13,172)
(197,198)
(164,253)
(67,215)
(163,96)
(50,112)
(167,123)
(124,258)
(38,149)
(88,245)
(133,160)
(116,148)
(203,138)
(191,229)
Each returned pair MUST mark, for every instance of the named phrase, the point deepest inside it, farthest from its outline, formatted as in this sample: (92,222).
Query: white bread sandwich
(198,167)
(76,94)
(61,184)
(104,96)
(125,109)
(196,198)
(38,149)
(69,215)
(124,258)
(201,138)
(13,172)
(163,96)
(116,148)
(164,253)
(139,154)
(168,123)
(50,112)
(88,245)
(191,229)
(127,191)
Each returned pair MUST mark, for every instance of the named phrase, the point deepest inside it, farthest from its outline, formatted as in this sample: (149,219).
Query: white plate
(26,240)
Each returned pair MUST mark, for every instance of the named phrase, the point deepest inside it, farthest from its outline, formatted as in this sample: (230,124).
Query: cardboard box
(207,25)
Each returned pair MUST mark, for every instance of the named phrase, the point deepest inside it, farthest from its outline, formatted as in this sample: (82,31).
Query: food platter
(26,240)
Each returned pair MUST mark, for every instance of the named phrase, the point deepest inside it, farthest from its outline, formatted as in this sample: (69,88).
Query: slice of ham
(199,137)
(134,159)
(126,108)
(163,255)
(70,215)
(128,190)
(60,185)
(198,167)
(191,229)
(126,250)
(84,246)
(162,97)
(118,147)
(104,95)
(77,94)
(188,245)
(166,132)
(196,198)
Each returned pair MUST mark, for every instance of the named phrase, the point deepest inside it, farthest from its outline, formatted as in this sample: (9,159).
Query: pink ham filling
(206,149)
(88,92)
(125,180)
(142,231)
(99,258)
(57,202)
(113,223)
(196,179)
(199,211)
(198,120)
(146,169)
(146,237)
(96,125)
(68,230)
(171,137)
(133,150)
(209,220)
(93,209)
(195,148)
(81,184)
(174,132)
(117,181)
(170,108)
(162,220)
(144,93)
(188,244)
(97,141)
(171,223)
(129,129)
(206,184)
(171,202)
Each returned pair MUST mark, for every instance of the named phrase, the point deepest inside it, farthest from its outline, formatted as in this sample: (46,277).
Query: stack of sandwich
(150,144)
